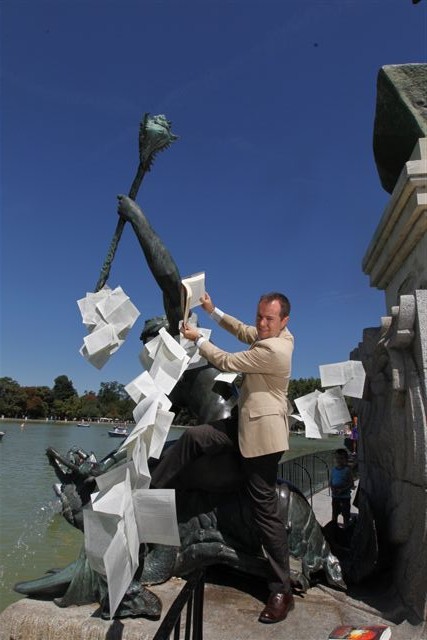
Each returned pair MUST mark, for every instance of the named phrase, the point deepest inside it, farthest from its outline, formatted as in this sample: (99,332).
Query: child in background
(341,483)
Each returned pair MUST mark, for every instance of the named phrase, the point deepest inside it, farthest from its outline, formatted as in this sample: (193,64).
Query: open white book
(192,289)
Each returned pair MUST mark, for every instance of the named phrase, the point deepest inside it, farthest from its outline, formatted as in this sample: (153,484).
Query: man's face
(268,321)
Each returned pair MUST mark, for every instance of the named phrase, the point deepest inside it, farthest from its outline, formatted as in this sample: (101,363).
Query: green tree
(63,388)
(13,399)
(302,386)
(35,407)
(39,402)
(72,408)
(111,396)
(89,407)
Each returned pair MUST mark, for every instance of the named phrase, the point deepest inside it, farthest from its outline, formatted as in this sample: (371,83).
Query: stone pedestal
(393,447)
(396,260)
(393,412)
(30,619)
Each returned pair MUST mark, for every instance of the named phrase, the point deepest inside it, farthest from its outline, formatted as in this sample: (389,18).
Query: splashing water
(34,533)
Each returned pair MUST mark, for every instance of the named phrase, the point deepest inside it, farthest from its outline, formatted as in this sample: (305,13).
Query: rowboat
(119,432)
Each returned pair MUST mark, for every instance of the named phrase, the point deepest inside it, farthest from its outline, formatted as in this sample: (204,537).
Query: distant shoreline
(58,422)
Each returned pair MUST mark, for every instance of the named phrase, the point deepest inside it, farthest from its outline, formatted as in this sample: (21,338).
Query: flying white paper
(108,315)
(169,363)
(349,374)
(111,538)
(155,513)
(307,407)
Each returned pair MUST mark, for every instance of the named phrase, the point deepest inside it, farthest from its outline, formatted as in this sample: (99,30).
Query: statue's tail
(52,585)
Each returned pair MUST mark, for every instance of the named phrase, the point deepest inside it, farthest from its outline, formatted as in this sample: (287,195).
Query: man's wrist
(217,314)
(199,340)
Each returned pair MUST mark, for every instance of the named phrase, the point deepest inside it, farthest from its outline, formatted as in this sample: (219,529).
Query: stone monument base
(231,610)
(30,619)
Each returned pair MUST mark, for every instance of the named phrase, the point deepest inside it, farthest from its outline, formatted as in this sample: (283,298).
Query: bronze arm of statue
(197,389)
(159,259)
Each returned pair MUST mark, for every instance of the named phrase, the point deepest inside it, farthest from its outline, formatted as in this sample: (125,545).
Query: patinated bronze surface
(215,527)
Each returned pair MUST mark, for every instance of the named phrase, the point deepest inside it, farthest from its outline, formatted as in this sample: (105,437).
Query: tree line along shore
(61,402)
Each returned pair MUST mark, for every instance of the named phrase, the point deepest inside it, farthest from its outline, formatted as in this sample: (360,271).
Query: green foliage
(62,402)
(63,388)
(13,398)
(301,387)
(114,402)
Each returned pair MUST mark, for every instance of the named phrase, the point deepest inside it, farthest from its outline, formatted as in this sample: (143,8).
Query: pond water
(34,537)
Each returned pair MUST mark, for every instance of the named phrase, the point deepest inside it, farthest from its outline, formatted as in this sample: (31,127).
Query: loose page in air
(192,289)
(120,558)
(349,374)
(196,360)
(309,412)
(356,383)
(169,363)
(108,315)
(333,409)
(332,375)
(155,515)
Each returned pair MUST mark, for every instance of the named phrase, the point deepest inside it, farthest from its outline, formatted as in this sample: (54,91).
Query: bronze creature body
(215,528)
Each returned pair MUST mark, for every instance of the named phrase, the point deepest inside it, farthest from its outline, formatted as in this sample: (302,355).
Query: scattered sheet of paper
(196,360)
(156,516)
(307,407)
(113,509)
(141,387)
(356,383)
(333,409)
(153,424)
(108,315)
(349,374)
(169,363)
(149,351)
(118,474)
(118,567)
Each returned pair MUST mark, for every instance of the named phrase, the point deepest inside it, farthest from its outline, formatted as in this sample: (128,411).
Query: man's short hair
(285,305)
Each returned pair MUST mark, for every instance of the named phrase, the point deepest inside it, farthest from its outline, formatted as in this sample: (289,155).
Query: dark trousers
(341,505)
(260,474)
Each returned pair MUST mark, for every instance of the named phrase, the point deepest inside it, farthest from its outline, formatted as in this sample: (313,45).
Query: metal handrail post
(326,465)
(309,478)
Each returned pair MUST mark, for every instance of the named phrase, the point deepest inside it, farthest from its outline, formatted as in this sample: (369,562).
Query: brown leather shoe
(277,607)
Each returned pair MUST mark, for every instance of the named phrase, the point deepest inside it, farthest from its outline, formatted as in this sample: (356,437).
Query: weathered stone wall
(393,448)
(393,412)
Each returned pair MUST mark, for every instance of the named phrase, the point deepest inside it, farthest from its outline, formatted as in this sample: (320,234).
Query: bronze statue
(197,390)
(215,521)
(215,528)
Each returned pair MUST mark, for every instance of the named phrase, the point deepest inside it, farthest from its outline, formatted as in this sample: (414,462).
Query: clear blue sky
(271,186)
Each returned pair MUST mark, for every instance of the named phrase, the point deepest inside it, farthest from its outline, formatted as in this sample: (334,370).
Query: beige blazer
(263,404)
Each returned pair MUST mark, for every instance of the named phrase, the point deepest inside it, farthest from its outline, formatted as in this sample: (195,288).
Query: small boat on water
(119,431)
(1,434)
(83,424)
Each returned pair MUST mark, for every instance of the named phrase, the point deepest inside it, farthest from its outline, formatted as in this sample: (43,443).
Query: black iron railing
(191,596)
(309,473)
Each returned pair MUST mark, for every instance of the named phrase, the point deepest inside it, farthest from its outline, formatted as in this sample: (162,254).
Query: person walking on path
(341,483)
(354,437)
(258,431)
